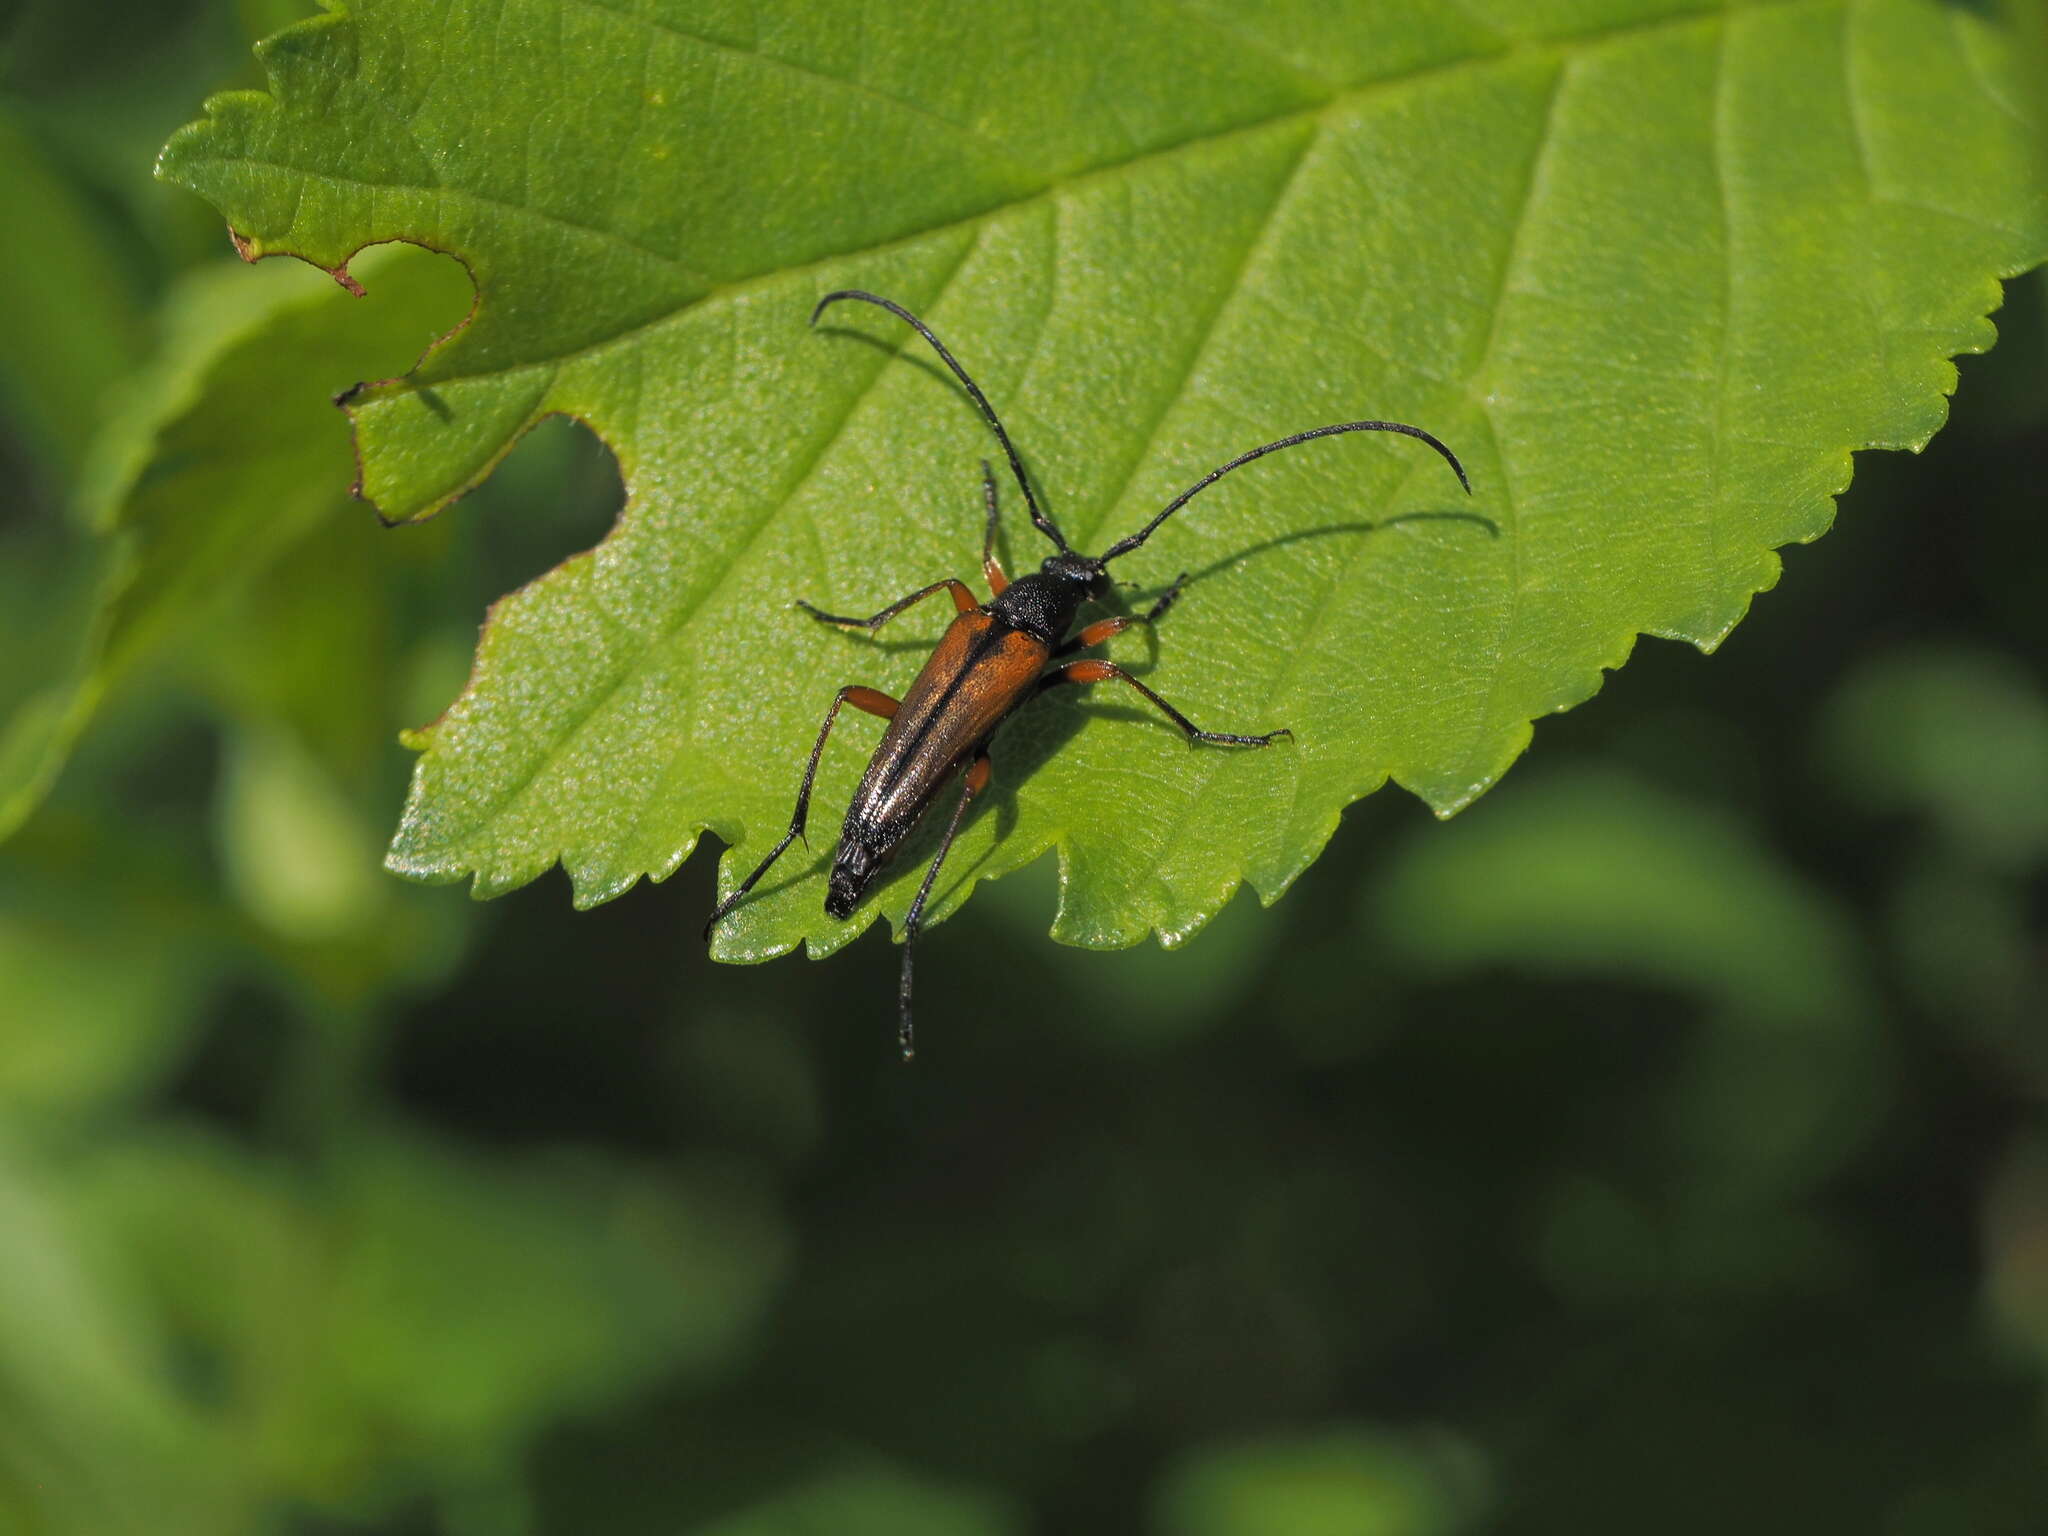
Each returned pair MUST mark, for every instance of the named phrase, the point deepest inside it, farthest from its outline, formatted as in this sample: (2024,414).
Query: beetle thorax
(1040,605)
(1045,602)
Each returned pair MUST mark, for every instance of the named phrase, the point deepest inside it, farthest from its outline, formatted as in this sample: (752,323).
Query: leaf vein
(483,199)
(686,613)
(810,72)
(1250,44)
(1546,137)
(1859,136)
(715,290)
(1993,91)
(1719,158)
(1206,333)
(1205,774)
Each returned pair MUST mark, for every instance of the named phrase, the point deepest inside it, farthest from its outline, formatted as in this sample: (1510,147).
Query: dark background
(1658,1146)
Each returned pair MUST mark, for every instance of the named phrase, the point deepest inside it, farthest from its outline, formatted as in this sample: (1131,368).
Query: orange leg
(1102,629)
(874,702)
(991,567)
(1110,672)
(974,781)
(963,599)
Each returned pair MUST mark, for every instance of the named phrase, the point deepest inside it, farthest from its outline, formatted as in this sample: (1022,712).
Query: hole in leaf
(555,496)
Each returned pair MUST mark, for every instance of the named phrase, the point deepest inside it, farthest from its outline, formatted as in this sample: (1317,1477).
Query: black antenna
(1125,546)
(1044,524)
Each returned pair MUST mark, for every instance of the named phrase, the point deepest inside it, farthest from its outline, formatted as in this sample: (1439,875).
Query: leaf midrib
(994,147)
(1053,186)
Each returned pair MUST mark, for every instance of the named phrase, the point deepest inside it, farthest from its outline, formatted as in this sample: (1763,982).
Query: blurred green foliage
(1659,1145)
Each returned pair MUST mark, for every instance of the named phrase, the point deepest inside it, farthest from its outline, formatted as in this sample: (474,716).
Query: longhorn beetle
(991,660)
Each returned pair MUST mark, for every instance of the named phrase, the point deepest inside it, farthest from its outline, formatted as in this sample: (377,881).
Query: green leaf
(413,1315)
(229,452)
(72,324)
(1591,872)
(218,457)
(90,1017)
(1343,1480)
(1959,737)
(1654,271)
(864,1498)
(92,1436)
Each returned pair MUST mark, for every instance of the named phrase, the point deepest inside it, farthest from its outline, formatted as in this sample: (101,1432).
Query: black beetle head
(1082,571)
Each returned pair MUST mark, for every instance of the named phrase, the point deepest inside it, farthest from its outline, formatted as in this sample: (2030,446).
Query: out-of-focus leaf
(225,453)
(1589,873)
(411,1319)
(53,583)
(1955,742)
(295,852)
(249,454)
(1655,272)
(871,1500)
(603,1280)
(2015,1221)
(1342,1481)
(73,322)
(1965,942)
(1146,1000)
(1592,872)
(91,1437)
(1959,738)
(85,1015)
(100,85)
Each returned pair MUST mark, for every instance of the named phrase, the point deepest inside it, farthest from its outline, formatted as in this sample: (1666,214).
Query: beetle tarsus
(1097,671)
(871,700)
(963,600)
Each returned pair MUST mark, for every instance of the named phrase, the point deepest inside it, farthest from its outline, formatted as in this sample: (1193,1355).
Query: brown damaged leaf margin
(252,251)
(346,400)
(335,14)
(246,249)
(419,738)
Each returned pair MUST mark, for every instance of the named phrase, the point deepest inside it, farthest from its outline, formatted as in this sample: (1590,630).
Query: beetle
(993,658)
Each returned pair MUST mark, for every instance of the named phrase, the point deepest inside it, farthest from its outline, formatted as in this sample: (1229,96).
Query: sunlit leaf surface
(1653,270)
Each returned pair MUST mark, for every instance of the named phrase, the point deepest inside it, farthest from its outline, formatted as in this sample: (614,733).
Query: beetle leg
(1095,634)
(1102,629)
(963,599)
(1109,671)
(875,702)
(991,567)
(975,780)
(1166,600)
